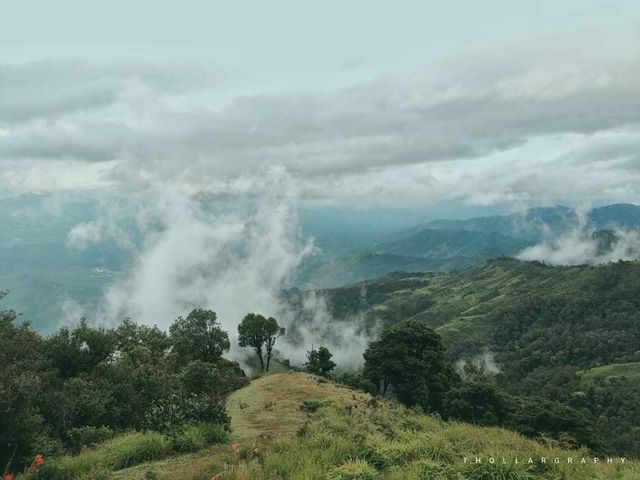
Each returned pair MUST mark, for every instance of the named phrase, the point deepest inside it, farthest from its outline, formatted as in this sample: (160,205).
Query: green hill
(297,426)
(535,326)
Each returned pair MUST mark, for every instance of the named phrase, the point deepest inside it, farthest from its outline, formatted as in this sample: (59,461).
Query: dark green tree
(260,333)
(79,350)
(410,358)
(477,402)
(319,361)
(199,337)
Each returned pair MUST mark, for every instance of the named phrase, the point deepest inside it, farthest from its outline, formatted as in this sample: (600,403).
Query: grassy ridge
(296,426)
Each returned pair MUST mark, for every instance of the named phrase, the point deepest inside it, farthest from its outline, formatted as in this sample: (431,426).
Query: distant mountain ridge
(537,223)
(447,245)
(43,273)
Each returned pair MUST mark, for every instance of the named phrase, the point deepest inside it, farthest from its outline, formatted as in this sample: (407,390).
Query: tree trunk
(259,352)
(269,350)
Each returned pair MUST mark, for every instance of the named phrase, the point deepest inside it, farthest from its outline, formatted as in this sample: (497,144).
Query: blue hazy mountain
(42,272)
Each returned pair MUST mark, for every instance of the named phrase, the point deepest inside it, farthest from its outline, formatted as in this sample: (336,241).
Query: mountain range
(45,276)
(448,245)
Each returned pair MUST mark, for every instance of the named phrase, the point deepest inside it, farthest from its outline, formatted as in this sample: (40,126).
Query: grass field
(629,370)
(297,426)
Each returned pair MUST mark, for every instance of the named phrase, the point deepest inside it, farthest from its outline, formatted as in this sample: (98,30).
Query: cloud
(232,251)
(346,338)
(583,247)
(494,124)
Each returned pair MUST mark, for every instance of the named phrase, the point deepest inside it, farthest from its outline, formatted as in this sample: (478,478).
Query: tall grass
(389,442)
(128,450)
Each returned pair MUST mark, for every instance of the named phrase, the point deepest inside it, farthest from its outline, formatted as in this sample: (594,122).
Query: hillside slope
(297,426)
(536,325)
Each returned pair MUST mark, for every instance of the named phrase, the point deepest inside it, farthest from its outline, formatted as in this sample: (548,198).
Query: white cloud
(465,130)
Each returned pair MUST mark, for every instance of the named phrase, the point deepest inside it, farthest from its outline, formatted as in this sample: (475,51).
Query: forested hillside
(568,334)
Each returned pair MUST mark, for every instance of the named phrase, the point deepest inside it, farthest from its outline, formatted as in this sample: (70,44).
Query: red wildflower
(8,476)
(39,460)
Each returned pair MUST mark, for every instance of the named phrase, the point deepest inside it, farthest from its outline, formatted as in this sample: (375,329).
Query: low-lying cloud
(586,247)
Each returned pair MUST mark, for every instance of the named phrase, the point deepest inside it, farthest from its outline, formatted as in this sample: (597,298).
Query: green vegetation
(550,353)
(260,333)
(630,371)
(319,361)
(86,386)
(351,435)
(542,325)
(410,358)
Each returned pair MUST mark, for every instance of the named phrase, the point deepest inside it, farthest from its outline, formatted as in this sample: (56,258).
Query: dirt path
(269,408)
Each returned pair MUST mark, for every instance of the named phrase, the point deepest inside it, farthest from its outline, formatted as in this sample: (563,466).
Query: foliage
(83,385)
(567,335)
(199,336)
(260,333)
(383,440)
(411,359)
(319,361)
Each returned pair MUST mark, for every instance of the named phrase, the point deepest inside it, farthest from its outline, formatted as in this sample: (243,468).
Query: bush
(311,406)
(80,438)
(134,448)
(191,438)
(123,451)
(174,411)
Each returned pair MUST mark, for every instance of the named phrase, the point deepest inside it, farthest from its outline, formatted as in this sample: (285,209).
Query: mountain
(538,223)
(38,267)
(540,326)
(422,251)
(447,245)
(46,276)
(620,215)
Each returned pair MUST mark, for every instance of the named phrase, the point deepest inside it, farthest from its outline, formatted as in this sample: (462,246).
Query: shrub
(120,452)
(191,438)
(174,411)
(134,448)
(80,438)
(311,406)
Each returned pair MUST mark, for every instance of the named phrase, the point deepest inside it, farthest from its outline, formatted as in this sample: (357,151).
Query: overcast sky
(410,104)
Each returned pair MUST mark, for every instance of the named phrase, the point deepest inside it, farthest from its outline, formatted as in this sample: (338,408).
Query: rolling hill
(448,245)
(297,426)
(538,326)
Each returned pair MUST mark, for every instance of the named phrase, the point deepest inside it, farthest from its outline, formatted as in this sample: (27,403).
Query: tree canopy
(199,336)
(260,333)
(319,361)
(410,358)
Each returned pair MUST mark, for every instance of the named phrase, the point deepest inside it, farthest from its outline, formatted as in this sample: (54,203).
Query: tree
(477,402)
(199,336)
(410,358)
(319,361)
(260,333)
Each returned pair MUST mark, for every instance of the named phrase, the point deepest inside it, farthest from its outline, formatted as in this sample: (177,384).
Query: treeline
(547,326)
(83,385)
(544,346)
(409,362)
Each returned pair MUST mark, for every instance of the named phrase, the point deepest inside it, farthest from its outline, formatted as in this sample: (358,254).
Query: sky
(202,129)
(371,105)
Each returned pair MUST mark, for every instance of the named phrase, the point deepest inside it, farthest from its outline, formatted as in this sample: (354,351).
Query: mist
(581,246)
(233,248)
